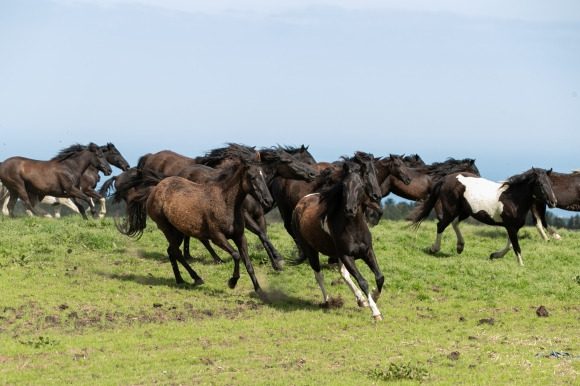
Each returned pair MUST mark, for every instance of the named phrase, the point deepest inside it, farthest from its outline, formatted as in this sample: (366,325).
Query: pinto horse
(208,211)
(31,180)
(566,188)
(332,223)
(503,204)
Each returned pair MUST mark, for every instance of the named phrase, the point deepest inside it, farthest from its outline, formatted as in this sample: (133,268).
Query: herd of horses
(327,207)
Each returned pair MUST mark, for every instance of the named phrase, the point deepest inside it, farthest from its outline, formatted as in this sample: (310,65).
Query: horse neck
(79,162)
(233,187)
(521,195)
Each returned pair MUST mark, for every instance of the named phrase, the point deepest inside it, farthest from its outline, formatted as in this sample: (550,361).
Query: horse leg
(513,236)
(209,248)
(260,231)
(536,217)
(541,212)
(56,208)
(242,244)
(174,237)
(460,239)
(103,207)
(360,299)
(70,204)
(363,284)
(221,241)
(501,253)
(29,202)
(80,207)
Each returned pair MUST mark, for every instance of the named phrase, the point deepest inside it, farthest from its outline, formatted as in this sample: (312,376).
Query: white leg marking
(320,280)
(360,299)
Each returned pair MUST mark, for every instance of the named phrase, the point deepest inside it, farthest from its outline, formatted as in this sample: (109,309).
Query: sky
(496,80)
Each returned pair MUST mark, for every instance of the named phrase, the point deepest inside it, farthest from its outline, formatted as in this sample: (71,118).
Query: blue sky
(497,81)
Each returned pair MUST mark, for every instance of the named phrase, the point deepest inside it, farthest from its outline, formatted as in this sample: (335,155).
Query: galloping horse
(31,180)
(566,188)
(208,211)
(276,162)
(504,204)
(332,223)
(287,193)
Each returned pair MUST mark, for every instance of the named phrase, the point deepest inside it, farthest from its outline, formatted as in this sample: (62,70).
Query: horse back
(168,162)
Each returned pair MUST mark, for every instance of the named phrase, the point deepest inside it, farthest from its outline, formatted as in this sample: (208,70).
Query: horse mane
(142,160)
(234,157)
(69,152)
(215,157)
(271,155)
(523,178)
(441,169)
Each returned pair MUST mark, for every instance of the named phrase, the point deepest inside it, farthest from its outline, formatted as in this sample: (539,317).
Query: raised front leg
(501,253)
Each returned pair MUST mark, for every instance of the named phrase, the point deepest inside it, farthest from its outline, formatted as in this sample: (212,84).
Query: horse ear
(257,156)
(549,171)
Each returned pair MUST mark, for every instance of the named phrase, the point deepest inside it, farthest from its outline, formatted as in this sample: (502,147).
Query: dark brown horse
(91,177)
(566,188)
(504,204)
(30,180)
(276,162)
(332,223)
(388,168)
(208,211)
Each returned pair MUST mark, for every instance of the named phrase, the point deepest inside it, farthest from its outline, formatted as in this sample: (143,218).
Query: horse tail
(107,186)
(135,192)
(422,211)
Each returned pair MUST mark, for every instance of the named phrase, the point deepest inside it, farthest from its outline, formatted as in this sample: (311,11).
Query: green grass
(80,303)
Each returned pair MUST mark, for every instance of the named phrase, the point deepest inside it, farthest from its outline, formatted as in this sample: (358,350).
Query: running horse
(31,180)
(208,211)
(331,222)
(503,204)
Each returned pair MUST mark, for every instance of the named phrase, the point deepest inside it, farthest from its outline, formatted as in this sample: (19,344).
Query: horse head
(369,175)
(114,157)
(282,164)
(543,187)
(255,180)
(99,160)
(352,189)
(398,169)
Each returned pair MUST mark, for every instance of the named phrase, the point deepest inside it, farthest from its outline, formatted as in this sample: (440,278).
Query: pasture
(81,303)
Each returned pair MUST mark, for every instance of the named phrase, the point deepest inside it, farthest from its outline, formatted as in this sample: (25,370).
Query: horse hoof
(460,249)
(362,303)
(198,282)
(378,317)
(232,282)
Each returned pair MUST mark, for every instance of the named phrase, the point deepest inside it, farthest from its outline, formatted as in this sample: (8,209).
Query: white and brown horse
(503,204)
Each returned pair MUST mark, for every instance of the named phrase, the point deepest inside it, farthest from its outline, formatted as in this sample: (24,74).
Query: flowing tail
(136,192)
(422,211)
(107,187)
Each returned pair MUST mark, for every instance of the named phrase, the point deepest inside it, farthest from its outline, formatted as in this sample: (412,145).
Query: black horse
(505,204)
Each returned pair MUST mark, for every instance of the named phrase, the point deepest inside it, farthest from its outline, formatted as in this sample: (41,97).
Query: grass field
(82,304)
